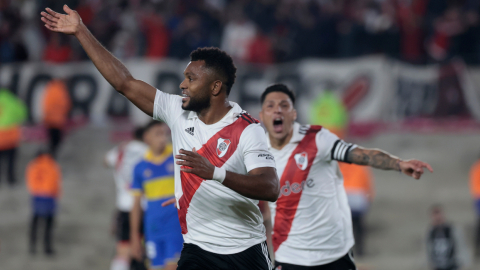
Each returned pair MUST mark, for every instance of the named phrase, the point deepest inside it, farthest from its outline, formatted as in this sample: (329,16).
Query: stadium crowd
(258,31)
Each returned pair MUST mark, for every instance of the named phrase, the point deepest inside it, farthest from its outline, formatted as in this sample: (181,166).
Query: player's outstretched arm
(260,183)
(139,92)
(382,160)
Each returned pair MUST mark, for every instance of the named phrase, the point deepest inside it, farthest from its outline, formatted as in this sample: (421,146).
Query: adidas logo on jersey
(190,130)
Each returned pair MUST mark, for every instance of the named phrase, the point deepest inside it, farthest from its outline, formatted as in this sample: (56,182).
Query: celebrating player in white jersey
(312,226)
(224,166)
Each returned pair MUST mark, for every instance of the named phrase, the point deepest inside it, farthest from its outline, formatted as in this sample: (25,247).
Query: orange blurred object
(44,177)
(56,104)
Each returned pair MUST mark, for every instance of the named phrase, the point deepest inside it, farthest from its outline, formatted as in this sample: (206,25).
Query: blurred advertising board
(377,91)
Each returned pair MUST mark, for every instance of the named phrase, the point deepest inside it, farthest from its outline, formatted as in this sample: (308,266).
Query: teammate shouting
(312,227)
(224,165)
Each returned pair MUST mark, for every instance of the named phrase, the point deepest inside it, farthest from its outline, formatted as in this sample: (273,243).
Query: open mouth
(278,125)
(185,97)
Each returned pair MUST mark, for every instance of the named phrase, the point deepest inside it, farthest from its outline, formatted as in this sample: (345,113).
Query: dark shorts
(253,258)
(122,229)
(344,263)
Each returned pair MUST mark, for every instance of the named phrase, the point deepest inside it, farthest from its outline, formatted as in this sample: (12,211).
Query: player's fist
(63,23)
(414,168)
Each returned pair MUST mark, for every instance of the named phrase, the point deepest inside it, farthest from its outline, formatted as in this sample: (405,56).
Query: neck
(214,113)
(280,143)
(158,152)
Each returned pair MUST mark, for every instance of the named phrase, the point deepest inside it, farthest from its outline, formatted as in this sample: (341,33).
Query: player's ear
(260,115)
(294,114)
(217,87)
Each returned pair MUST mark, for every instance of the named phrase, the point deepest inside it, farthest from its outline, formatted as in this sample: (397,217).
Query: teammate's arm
(135,237)
(259,184)
(138,92)
(382,160)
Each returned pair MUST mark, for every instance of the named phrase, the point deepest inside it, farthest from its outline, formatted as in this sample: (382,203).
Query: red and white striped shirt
(311,218)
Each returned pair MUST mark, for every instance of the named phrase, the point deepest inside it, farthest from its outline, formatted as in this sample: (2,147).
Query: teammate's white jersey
(311,219)
(123,159)
(212,216)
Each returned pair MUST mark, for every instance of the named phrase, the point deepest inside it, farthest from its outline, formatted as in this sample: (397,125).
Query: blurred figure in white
(446,247)
(123,159)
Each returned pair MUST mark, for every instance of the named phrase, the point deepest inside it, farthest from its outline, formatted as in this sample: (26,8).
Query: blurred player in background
(44,184)
(312,226)
(56,107)
(123,159)
(13,113)
(221,151)
(153,179)
(358,183)
(475,191)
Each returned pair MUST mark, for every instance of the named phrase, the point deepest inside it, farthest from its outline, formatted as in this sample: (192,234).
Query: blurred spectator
(475,190)
(238,33)
(260,50)
(13,113)
(56,106)
(417,31)
(446,247)
(57,49)
(329,111)
(44,185)
(358,183)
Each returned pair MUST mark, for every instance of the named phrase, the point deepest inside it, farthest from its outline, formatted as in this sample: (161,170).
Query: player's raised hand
(193,162)
(414,168)
(63,23)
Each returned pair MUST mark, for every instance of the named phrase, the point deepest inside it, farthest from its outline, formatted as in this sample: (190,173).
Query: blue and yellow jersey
(154,178)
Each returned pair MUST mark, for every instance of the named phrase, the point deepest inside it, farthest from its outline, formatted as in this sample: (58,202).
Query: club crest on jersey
(222,146)
(302,160)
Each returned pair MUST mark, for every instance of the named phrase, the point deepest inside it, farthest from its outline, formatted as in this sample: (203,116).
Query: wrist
(219,174)
(398,165)
(81,30)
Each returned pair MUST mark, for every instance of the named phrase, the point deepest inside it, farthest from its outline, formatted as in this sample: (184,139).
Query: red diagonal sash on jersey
(293,174)
(191,182)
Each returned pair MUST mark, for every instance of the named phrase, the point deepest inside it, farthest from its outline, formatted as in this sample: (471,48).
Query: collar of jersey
(234,111)
(161,158)
(296,137)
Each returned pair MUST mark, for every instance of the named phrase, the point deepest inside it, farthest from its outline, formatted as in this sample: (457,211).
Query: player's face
(195,87)
(278,115)
(157,137)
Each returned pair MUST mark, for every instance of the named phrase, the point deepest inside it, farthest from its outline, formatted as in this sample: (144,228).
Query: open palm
(63,23)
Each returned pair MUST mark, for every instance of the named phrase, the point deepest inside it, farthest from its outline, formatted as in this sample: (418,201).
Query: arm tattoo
(374,158)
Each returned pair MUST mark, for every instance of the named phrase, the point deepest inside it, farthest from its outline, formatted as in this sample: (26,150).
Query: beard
(197,104)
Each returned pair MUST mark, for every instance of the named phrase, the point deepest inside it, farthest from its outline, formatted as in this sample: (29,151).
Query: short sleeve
(137,185)
(167,107)
(253,142)
(111,157)
(330,147)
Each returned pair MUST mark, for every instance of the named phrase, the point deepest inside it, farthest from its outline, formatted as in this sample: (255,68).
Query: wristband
(219,174)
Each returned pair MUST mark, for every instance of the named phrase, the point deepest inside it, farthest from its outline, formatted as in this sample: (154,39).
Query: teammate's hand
(414,168)
(63,23)
(193,162)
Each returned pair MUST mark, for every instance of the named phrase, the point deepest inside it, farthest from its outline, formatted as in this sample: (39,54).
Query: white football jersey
(212,216)
(311,218)
(123,159)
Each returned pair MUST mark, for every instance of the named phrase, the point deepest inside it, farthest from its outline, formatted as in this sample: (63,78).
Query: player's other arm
(138,92)
(382,160)
(135,221)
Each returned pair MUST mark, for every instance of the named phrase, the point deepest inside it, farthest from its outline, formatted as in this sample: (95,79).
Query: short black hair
(278,87)
(138,133)
(219,61)
(152,124)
